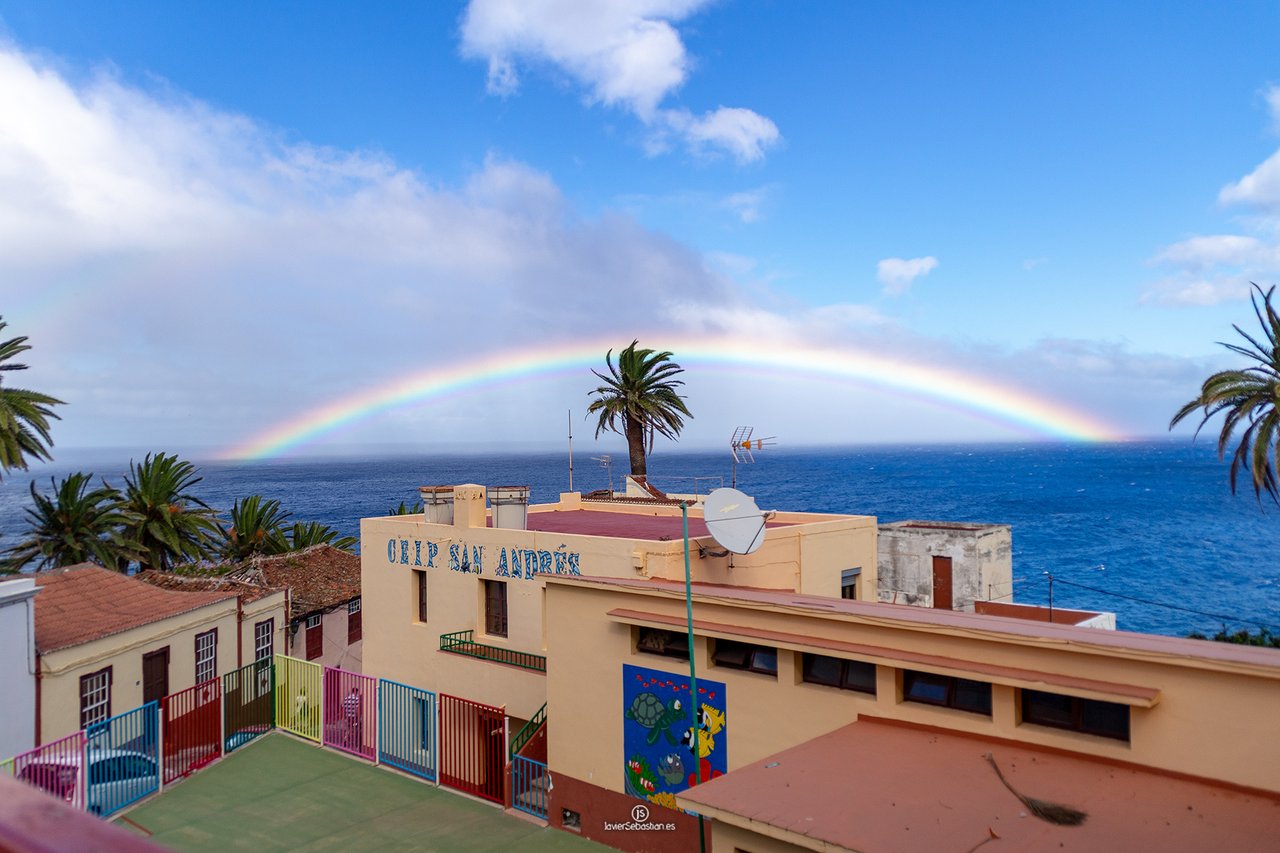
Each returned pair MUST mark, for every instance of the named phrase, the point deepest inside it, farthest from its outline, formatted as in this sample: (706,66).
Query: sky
(262,229)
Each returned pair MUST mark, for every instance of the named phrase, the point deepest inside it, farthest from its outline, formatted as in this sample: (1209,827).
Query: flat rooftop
(621,525)
(890,786)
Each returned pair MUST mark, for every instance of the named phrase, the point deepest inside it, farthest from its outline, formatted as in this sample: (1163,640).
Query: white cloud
(624,53)
(746,205)
(898,274)
(1260,188)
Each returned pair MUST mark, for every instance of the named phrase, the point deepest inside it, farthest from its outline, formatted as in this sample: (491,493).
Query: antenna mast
(571,450)
(741,444)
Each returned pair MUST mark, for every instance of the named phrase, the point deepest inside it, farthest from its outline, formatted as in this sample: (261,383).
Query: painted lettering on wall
(518,563)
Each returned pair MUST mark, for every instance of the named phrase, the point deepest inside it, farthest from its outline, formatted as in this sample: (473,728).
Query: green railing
(528,730)
(461,643)
(6,766)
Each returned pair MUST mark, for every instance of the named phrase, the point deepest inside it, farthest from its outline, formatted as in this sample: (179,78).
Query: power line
(1234,619)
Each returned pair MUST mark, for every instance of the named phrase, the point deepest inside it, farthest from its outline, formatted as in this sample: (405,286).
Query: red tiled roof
(82,603)
(320,577)
(587,522)
(247,591)
(885,786)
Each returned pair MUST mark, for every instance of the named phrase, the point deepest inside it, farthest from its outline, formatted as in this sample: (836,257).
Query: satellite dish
(734,520)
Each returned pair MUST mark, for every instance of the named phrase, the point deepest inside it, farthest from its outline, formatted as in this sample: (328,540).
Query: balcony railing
(462,643)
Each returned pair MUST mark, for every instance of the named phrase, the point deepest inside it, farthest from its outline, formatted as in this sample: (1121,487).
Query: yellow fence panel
(299,697)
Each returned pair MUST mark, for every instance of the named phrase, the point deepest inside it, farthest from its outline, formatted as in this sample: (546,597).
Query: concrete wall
(1213,717)
(17,666)
(60,670)
(981,561)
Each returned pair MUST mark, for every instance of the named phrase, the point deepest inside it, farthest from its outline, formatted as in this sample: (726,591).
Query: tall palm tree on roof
(307,534)
(257,527)
(1250,396)
(73,526)
(24,415)
(169,524)
(640,392)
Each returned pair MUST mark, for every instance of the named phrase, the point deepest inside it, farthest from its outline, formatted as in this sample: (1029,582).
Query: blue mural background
(658,722)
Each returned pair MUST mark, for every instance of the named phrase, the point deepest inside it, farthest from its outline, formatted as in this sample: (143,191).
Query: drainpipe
(239,631)
(37,732)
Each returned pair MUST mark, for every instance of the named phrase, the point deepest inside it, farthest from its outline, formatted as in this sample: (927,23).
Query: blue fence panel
(407,728)
(529,786)
(123,756)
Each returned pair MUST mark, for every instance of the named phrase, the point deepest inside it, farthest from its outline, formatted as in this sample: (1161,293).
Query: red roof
(83,603)
(620,525)
(247,591)
(886,786)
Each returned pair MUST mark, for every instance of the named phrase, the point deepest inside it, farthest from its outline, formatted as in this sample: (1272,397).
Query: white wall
(17,666)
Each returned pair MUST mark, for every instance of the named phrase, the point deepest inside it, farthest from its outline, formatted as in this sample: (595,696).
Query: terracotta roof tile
(247,591)
(82,603)
(320,577)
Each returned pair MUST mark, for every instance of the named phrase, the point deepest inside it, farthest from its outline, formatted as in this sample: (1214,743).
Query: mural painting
(658,733)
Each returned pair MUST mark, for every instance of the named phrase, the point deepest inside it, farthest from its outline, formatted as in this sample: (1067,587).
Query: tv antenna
(734,521)
(606,462)
(741,444)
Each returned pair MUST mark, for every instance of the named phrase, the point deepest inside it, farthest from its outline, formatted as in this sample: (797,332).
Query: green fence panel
(299,697)
(248,704)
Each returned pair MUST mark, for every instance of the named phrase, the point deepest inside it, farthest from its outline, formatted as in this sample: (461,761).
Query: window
(731,655)
(671,644)
(421,578)
(315,636)
(95,697)
(837,672)
(946,691)
(353,621)
(495,608)
(849,583)
(264,639)
(206,656)
(1090,716)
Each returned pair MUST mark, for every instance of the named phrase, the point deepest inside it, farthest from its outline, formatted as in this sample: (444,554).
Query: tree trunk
(635,446)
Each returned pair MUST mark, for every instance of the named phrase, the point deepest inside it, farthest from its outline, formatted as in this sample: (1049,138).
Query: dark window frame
(659,641)
(86,719)
(1080,720)
(953,689)
(271,639)
(842,681)
(748,657)
(316,631)
(495,609)
(421,578)
(355,622)
(213,659)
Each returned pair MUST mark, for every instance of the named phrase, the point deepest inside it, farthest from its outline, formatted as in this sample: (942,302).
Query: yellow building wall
(60,670)
(268,607)
(1214,719)
(399,647)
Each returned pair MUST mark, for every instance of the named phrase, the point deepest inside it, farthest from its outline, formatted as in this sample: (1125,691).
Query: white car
(117,777)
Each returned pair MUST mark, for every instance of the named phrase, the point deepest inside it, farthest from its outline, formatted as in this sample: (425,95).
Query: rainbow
(965,391)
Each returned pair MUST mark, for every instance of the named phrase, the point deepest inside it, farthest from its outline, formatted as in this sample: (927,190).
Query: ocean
(1148,530)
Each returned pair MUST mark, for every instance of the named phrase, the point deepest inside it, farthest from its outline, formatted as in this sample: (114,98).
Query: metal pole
(693,671)
(571,450)
(1050,598)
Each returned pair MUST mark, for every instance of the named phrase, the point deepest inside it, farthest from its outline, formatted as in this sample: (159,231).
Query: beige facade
(404,556)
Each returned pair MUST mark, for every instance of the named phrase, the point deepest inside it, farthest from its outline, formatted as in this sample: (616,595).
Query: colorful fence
(407,728)
(55,767)
(529,786)
(192,728)
(473,748)
(6,767)
(123,757)
(351,712)
(299,696)
(248,704)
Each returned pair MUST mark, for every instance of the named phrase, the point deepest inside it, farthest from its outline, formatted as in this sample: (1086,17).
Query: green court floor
(279,793)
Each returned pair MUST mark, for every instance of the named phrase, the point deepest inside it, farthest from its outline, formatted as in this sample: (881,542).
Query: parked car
(117,777)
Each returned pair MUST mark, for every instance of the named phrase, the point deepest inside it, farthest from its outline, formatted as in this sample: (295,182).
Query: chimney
(437,504)
(469,506)
(510,507)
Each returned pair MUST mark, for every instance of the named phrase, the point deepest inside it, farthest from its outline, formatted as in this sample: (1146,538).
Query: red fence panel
(351,712)
(56,767)
(192,729)
(473,747)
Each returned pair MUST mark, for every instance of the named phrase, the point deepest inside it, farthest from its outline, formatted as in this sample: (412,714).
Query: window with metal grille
(1090,716)
(95,697)
(421,578)
(731,655)
(946,691)
(264,639)
(354,628)
(838,672)
(206,655)
(495,608)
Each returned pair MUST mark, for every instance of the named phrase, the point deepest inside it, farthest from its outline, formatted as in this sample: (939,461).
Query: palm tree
(640,391)
(169,524)
(1248,396)
(257,527)
(314,533)
(407,509)
(73,526)
(24,415)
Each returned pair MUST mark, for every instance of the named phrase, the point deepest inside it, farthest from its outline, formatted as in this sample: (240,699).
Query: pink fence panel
(351,712)
(56,767)
(192,729)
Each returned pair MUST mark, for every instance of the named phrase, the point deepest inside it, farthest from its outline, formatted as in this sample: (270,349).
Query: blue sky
(215,217)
